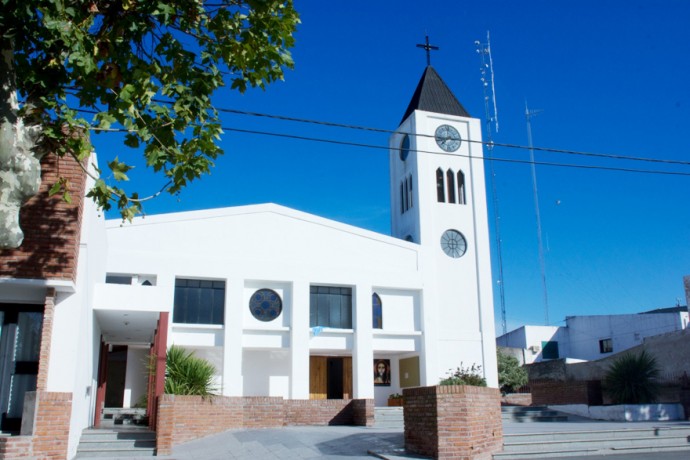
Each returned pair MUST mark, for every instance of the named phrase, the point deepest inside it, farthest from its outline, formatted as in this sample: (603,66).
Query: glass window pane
(313,310)
(323,318)
(334,311)
(21,383)
(28,339)
(346,312)
(195,304)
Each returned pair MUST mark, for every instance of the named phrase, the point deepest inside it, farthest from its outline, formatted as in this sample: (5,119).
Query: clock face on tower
(448,138)
(453,243)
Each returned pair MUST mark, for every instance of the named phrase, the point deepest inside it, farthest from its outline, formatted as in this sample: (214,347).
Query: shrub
(465,376)
(632,379)
(511,375)
(186,374)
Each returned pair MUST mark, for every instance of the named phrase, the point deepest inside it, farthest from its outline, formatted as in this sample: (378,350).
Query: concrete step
(389,417)
(603,442)
(104,443)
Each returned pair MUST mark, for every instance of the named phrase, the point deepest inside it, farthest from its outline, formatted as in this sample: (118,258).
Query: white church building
(283,303)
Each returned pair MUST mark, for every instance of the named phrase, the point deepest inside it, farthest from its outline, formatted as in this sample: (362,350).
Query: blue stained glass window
(377,311)
(265,305)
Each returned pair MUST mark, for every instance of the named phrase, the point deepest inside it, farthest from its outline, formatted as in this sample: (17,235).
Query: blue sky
(611,77)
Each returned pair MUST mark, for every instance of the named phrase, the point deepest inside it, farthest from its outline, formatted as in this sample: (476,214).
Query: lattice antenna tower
(491,117)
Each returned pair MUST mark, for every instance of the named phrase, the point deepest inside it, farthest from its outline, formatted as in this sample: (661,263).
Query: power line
(381,147)
(487,143)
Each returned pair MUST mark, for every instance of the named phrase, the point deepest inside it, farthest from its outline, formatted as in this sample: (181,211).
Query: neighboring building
(283,303)
(592,337)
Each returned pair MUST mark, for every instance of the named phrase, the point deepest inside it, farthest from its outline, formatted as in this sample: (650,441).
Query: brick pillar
(51,427)
(453,422)
(46,336)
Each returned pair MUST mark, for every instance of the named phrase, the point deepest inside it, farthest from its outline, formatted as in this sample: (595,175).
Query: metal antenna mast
(542,262)
(487,79)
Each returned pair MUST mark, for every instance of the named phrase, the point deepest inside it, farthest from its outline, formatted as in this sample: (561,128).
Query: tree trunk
(20,169)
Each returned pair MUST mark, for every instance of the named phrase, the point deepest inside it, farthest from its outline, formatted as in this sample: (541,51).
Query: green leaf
(54,189)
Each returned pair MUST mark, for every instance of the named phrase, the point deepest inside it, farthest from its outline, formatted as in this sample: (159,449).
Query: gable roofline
(433,95)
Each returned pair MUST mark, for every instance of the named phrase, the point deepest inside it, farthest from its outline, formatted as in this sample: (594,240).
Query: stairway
(522,414)
(389,417)
(123,433)
(117,442)
(600,442)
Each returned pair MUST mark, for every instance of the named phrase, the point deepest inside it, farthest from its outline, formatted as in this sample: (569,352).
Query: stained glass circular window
(265,305)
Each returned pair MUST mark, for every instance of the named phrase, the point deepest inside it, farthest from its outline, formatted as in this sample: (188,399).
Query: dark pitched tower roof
(433,95)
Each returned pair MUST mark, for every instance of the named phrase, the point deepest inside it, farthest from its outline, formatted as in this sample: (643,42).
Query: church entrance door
(330,377)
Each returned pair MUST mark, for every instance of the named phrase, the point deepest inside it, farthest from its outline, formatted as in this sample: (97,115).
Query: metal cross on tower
(427,47)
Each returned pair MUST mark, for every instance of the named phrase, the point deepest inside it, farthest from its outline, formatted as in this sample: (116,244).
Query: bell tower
(438,200)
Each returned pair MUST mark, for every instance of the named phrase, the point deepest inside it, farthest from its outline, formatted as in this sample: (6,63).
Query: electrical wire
(381,147)
(486,143)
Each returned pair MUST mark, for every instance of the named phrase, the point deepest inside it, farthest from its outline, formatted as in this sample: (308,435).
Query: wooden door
(347,377)
(318,377)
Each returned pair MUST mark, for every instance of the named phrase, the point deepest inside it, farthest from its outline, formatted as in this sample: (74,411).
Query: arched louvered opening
(440,192)
(450,176)
(461,188)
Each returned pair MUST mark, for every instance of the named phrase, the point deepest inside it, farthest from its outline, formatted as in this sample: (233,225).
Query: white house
(283,303)
(591,337)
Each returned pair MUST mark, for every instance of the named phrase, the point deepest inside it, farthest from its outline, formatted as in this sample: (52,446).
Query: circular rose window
(265,305)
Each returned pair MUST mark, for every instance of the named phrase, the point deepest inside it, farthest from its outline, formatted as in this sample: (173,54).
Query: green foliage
(465,376)
(149,67)
(186,374)
(632,379)
(511,375)
(395,396)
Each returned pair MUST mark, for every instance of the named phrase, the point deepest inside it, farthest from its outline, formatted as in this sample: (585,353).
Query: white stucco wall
(136,376)
(270,246)
(626,331)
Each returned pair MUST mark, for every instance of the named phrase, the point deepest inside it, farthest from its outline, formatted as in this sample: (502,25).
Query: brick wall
(51,227)
(51,427)
(453,422)
(12,447)
(555,392)
(185,418)
(263,412)
(50,435)
(329,412)
(516,399)
(46,337)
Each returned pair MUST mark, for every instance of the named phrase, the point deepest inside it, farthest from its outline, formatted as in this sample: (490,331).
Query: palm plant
(632,379)
(186,374)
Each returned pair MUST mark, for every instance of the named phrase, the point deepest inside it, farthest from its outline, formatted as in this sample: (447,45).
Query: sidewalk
(328,442)
(355,443)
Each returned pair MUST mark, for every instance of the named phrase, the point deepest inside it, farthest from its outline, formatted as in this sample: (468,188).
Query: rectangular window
(330,307)
(549,350)
(199,301)
(606,346)
(118,279)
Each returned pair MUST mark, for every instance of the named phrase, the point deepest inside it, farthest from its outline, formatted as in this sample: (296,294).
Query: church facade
(281,302)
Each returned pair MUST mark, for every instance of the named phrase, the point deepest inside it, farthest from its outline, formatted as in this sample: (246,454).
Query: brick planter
(185,418)
(453,422)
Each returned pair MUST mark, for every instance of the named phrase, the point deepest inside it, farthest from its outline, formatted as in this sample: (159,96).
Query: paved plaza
(352,442)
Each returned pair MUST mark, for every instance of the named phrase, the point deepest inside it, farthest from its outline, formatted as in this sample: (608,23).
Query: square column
(299,341)
(363,349)
(232,339)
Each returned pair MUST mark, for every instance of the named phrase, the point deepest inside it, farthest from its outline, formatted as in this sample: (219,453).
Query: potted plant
(396,399)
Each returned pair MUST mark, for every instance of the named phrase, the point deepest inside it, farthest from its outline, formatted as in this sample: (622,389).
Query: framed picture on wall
(382,372)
